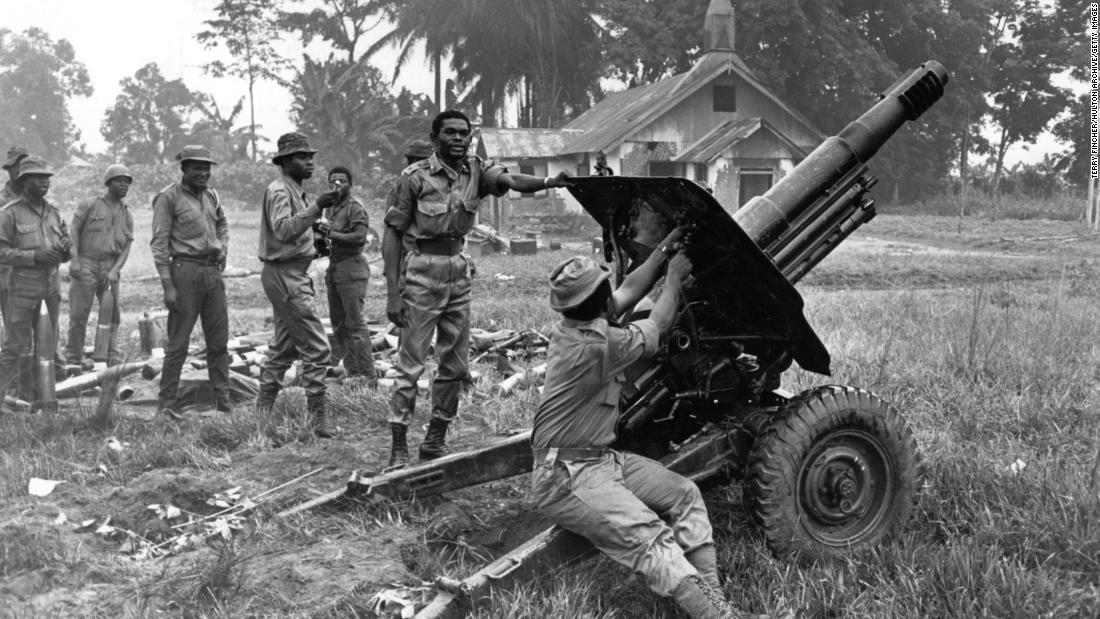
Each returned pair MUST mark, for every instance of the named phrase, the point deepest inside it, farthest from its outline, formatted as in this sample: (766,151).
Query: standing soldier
(428,277)
(287,247)
(33,242)
(9,194)
(346,280)
(189,244)
(102,233)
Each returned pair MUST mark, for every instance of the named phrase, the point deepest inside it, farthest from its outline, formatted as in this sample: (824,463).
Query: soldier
(33,241)
(10,193)
(346,280)
(614,498)
(102,232)
(434,205)
(189,244)
(287,225)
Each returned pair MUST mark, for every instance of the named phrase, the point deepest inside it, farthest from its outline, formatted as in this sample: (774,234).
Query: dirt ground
(330,561)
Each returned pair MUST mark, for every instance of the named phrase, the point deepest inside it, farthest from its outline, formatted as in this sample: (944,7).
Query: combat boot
(318,416)
(399,451)
(265,400)
(705,561)
(700,601)
(434,446)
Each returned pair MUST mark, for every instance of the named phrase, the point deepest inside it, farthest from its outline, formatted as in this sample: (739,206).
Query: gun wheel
(837,470)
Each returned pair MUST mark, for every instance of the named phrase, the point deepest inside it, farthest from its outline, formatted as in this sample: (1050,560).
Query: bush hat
(291,143)
(114,170)
(15,155)
(33,164)
(195,152)
(418,149)
(575,280)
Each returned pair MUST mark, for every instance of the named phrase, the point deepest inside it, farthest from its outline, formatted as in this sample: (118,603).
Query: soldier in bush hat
(33,242)
(9,193)
(102,233)
(614,498)
(417,150)
(288,223)
(190,242)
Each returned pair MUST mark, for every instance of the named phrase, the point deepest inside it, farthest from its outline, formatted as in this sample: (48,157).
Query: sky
(114,38)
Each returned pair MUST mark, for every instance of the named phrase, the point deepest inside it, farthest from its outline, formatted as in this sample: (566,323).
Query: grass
(987,346)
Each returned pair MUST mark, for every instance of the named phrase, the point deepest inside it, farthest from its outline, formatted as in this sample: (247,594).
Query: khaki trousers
(299,333)
(436,291)
(617,502)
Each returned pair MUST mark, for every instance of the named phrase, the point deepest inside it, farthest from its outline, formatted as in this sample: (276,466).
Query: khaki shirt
(585,364)
(433,201)
(345,217)
(185,224)
(25,228)
(102,230)
(286,232)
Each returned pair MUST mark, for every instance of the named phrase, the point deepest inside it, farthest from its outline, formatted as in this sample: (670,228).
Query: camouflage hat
(15,154)
(115,170)
(33,164)
(291,143)
(418,149)
(575,280)
(195,152)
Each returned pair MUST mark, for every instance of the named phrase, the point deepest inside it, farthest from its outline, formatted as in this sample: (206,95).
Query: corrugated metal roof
(717,140)
(505,143)
(611,121)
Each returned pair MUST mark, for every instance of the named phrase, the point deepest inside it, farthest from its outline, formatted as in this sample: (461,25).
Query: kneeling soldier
(613,498)
(102,233)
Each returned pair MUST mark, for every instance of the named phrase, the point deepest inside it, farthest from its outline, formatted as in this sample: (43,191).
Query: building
(715,124)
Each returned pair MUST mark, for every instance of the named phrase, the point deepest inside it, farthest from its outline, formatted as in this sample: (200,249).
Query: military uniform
(286,249)
(433,207)
(24,229)
(7,195)
(103,231)
(190,238)
(346,285)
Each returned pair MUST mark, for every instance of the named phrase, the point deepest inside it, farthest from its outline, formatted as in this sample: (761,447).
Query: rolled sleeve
(162,229)
(626,345)
(399,214)
(490,175)
(357,215)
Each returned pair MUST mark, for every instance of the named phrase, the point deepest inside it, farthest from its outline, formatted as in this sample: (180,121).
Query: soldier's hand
(329,198)
(322,228)
(395,310)
(76,272)
(674,240)
(562,179)
(679,267)
(48,257)
(221,259)
(171,298)
(112,276)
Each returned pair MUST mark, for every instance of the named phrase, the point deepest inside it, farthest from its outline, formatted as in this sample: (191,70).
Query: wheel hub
(845,485)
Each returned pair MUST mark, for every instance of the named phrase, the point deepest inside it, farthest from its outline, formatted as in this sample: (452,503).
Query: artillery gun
(827,470)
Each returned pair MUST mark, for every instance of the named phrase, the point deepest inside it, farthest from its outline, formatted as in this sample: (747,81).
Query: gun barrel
(768,218)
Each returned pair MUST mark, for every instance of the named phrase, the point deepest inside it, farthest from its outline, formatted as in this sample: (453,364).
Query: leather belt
(550,455)
(442,246)
(203,260)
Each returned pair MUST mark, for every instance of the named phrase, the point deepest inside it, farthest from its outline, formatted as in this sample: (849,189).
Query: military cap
(15,154)
(195,152)
(418,149)
(116,169)
(291,143)
(33,164)
(574,280)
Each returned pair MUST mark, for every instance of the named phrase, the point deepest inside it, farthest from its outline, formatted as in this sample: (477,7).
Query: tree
(645,41)
(219,132)
(341,23)
(1024,98)
(37,78)
(247,29)
(147,121)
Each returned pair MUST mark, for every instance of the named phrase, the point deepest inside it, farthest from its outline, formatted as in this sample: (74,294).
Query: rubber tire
(786,459)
